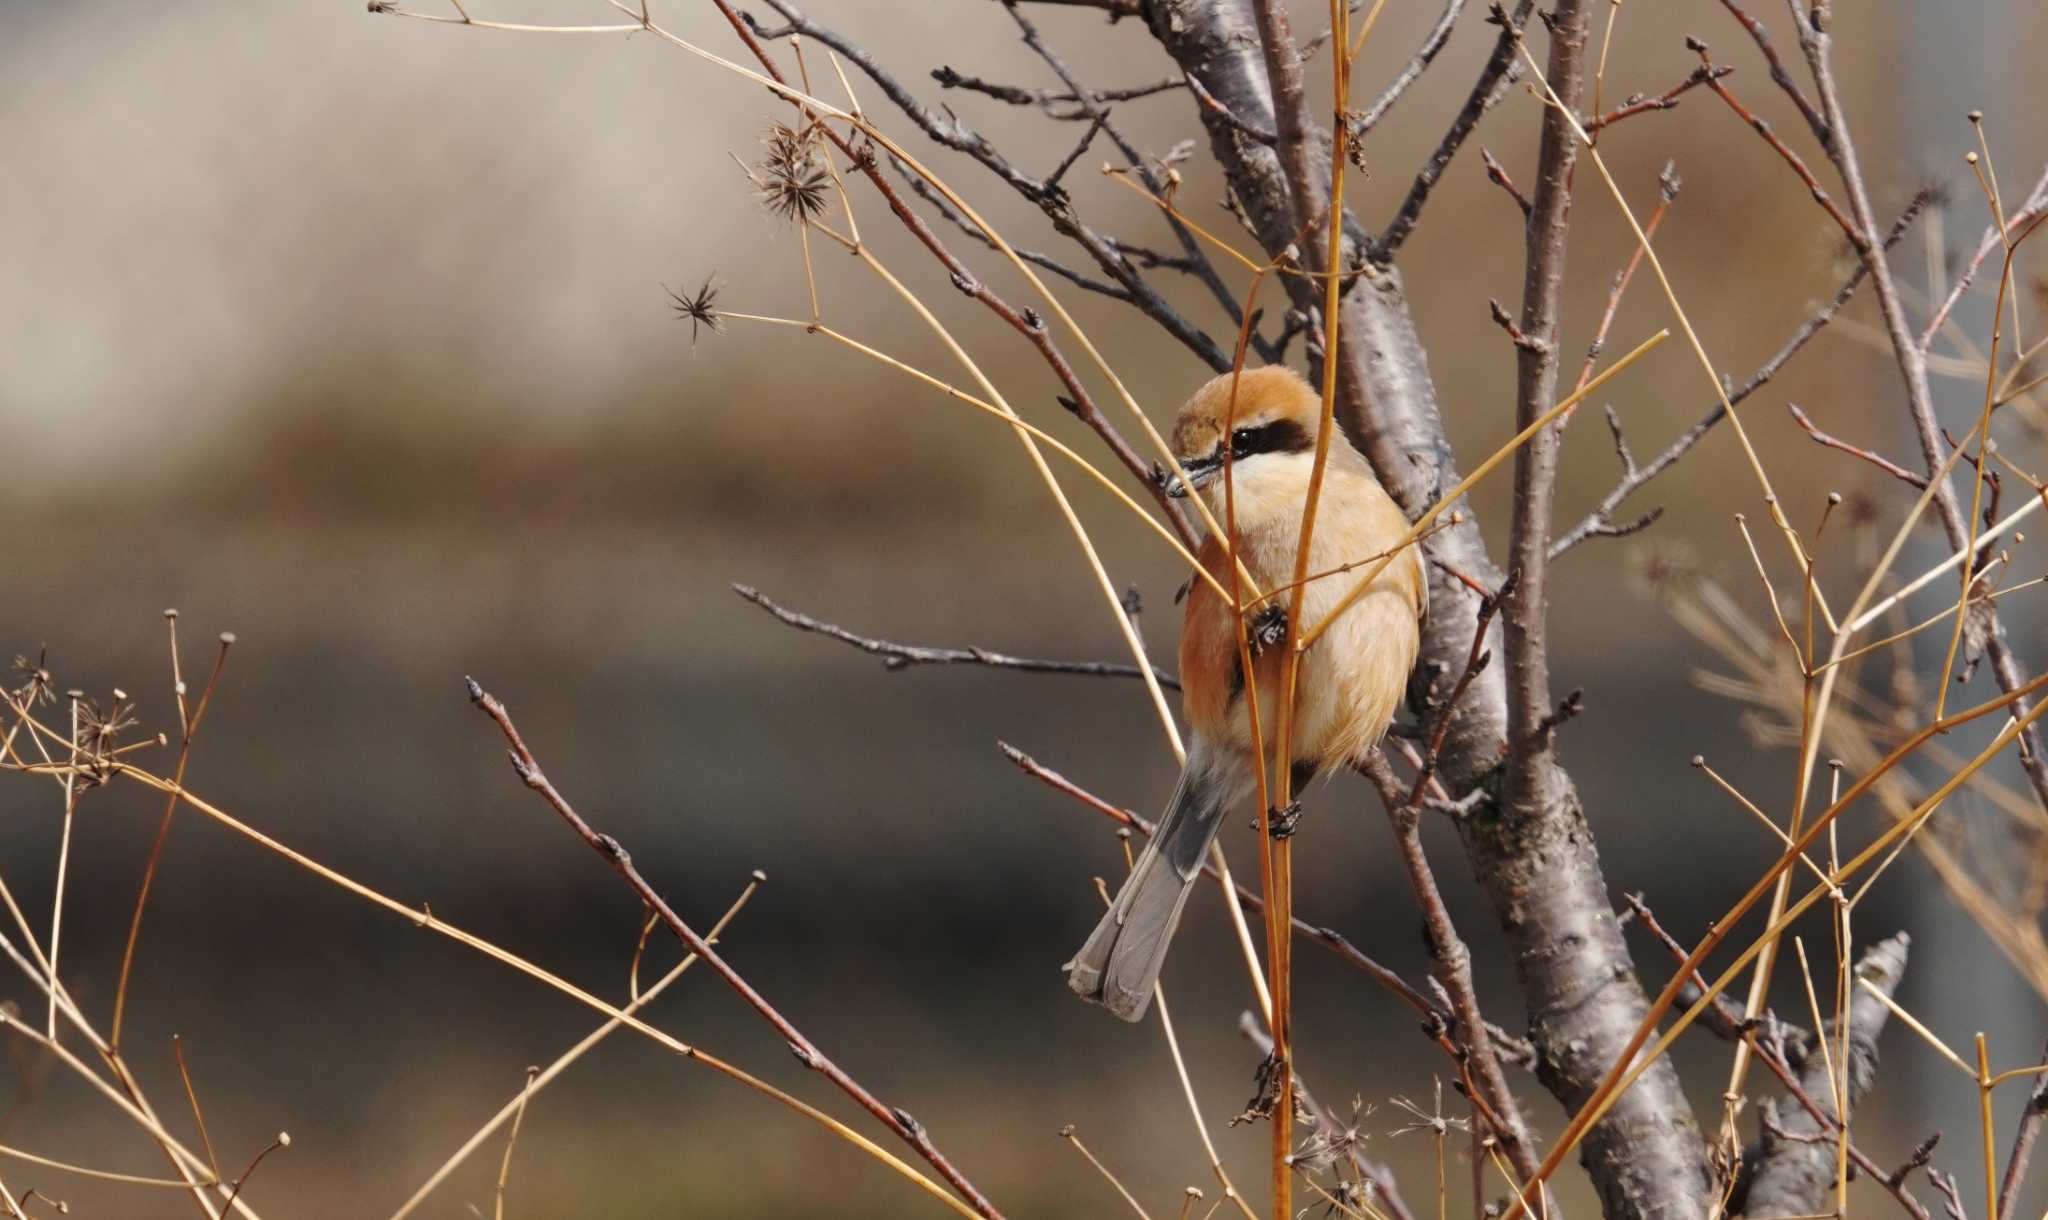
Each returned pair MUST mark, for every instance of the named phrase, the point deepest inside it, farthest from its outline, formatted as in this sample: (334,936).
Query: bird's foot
(1267,628)
(1282,823)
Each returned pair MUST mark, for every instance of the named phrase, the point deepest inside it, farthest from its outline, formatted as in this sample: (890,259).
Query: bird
(1351,679)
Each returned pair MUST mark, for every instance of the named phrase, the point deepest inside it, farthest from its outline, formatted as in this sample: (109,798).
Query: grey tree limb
(1816,43)
(1649,1159)
(1792,1170)
(2022,1154)
(1538,866)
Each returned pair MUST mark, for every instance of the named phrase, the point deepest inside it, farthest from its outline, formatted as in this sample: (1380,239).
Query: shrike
(1351,679)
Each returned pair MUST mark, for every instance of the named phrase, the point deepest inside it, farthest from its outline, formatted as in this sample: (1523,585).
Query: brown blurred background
(348,334)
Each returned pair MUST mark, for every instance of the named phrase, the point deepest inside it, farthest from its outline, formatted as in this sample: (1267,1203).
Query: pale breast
(1352,679)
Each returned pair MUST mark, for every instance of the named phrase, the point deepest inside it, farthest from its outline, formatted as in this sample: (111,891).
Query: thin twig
(1494,80)
(1832,442)
(1432,42)
(2023,1144)
(898,1121)
(1600,520)
(567,1058)
(904,656)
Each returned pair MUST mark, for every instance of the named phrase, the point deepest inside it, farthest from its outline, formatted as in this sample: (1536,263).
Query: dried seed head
(701,308)
(794,177)
(36,680)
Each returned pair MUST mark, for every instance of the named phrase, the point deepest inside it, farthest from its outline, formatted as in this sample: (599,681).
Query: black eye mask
(1277,436)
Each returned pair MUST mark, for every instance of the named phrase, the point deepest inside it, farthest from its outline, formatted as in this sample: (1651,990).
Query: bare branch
(1432,42)
(1792,1175)
(1712,80)
(1497,174)
(1600,521)
(1779,75)
(2023,1143)
(905,656)
(948,130)
(897,1120)
(1816,43)
(1832,442)
(1662,101)
(1452,969)
(1194,256)
(1117,9)
(1213,106)
(1500,72)
(1993,239)
(1080,279)
(1048,100)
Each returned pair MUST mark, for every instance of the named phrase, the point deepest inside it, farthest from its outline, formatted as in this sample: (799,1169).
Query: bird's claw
(1282,823)
(1267,628)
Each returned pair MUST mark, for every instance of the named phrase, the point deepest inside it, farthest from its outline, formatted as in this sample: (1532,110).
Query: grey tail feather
(1121,960)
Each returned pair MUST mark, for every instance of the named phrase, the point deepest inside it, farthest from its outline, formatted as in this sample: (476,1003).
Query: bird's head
(1275,412)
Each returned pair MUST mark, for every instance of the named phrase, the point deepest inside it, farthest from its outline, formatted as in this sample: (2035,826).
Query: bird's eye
(1244,441)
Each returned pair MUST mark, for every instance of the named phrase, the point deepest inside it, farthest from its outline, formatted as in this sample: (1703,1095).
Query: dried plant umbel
(35,679)
(99,735)
(793,178)
(700,308)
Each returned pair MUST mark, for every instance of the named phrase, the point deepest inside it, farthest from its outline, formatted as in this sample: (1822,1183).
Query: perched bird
(1351,679)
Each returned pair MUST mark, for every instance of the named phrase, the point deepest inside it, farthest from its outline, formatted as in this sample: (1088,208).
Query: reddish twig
(1833,442)
(188,725)
(1668,185)
(1856,236)
(1779,75)
(1662,101)
(1497,174)
(898,1121)
(283,1140)
(1452,969)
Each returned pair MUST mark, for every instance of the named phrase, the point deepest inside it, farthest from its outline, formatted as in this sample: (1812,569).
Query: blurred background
(348,334)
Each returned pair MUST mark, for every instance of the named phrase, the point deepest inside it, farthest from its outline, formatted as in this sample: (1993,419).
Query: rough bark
(1534,857)
(1795,1165)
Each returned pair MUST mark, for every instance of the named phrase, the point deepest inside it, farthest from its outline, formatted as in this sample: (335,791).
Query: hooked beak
(1201,471)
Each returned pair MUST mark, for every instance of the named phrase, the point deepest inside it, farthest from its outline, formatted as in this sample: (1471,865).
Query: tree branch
(1494,79)
(1452,969)
(2023,1143)
(1439,35)
(904,656)
(1793,1176)
(898,1121)
(1815,42)
(950,132)
(1601,520)
(1541,871)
